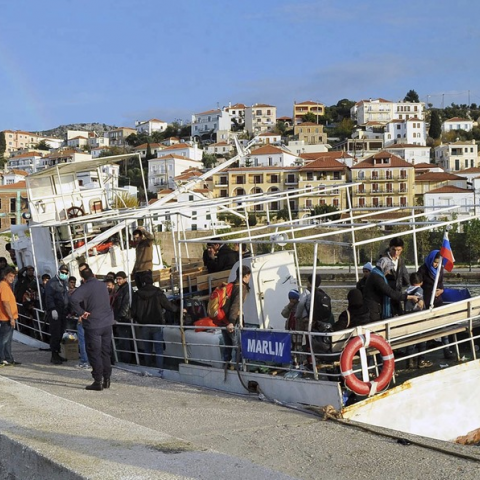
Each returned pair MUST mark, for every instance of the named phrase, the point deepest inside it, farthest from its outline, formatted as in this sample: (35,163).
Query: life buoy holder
(346,362)
(75,211)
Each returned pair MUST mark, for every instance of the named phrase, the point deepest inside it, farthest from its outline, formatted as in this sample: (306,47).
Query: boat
(69,223)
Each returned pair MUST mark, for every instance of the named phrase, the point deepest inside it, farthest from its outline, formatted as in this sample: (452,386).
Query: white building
(77,142)
(260,118)
(155,148)
(163,170)
(95,141)
(412,131)
(447,196)
(183,150)
(30,162)
(298,147)
(150,126)
(196,218)
(414,154)
(13,176)
(384,111)
(220,148)
(457,155)
(212,125)
(270,156)
(457,123)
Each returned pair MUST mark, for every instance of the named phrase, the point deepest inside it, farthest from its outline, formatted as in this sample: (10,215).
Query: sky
(118,61)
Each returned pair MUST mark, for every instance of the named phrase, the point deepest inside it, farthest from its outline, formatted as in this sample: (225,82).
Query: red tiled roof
(381,100)
(208,112)
(457,119)
(449,189)
(237,106)
(27,155)
(324,164)
(394,161)
(471,170)
(18,186)
(267,150)
(424,165)
(145,145)
(262,105)
(335,155)
(404,145)
(269,134)
(17,172)
(437,177)
(177,146)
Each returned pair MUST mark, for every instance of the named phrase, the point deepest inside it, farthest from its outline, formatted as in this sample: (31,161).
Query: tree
(42,145)
(149,155)
(209,160)
(309,117)
(252,219)
(472,237)
(411,96)
(3,144)
(435,130)
(321,209)
(125,200)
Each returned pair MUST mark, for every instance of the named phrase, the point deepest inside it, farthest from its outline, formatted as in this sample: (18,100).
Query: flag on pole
(447,254)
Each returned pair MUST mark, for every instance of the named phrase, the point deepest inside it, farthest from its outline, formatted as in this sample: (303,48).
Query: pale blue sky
(117,61)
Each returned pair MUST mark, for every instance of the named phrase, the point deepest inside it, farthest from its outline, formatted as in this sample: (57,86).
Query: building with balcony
(211,126)
(456,156)
(384,111)
(95,141)
(182,150)
(163,170)
(385,180)
(300,109)
(220,148)
(13,202)
(30,162)
(429,181)
(19,140)
(77,142)
(260,118)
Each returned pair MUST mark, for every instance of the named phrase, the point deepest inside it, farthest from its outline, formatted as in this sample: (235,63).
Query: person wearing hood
(356,313)
(56,306)
(91,302)
(148,303)
(367,269)
(429,271)
(378,294)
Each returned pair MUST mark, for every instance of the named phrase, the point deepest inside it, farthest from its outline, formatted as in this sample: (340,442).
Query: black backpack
(322,307)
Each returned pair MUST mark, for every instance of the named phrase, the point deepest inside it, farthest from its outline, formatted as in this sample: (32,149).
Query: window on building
(389,202)
(361,175)
(337,175)
(308,203)
(361,188)
(290,178)
(457,164)
(240,180)
(336,202)
(223,193)
(389,188)
(375,175)
(190,198)
(223,180)
(375,201)
(375,187)
(258,179)
(13,205)
(403,187)
(403,174)
(270,161)
(274,178)
(403,201)
(361,202)
(194,227)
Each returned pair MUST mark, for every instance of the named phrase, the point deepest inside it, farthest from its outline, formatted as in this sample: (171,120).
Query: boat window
(40,188)
(66,184)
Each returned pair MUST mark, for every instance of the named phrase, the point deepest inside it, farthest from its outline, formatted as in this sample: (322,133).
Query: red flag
(447,254)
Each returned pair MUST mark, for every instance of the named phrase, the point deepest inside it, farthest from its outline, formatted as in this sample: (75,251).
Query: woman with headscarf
(429,271)
(377,293)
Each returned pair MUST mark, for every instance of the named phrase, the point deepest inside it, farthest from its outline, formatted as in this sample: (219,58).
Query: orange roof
(237,106)
(15,186)
(17,172)
(323,164)
(262,105)
(219,144)
(177,146)
(267,150)
(308,102)
(209,112)
(269,134)
(450,189)
(27,155)
(284,118)
(145,145)
(437,177)
(241,169)
(458,119)
(308,124)
(405,145)
(394,161)
(381,100)
(335,155)
(471,170)
(424,165)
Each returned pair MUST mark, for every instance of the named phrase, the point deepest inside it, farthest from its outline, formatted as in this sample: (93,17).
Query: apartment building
(116,137)
(77,142)
(19,140)
(186,150)
(384,111)
(260,118)
(385,180)
(155,149)
(270,156)
(211,126)
(456,156)
(30,162)
(163,170)
(447,196)
(430,181)
(220,148)
(13,202)
(302,108)
(411,131)
(414,154)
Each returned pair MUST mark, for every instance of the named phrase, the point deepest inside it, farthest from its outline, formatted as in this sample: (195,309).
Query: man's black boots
(95,386)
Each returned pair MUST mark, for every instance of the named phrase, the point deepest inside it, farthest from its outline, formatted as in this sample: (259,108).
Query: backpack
(322,306)
(218,299)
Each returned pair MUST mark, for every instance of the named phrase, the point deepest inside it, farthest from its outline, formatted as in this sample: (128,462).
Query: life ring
(75,211)
(346,362)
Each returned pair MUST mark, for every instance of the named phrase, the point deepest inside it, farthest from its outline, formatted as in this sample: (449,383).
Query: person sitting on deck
(356,313)
(218,256)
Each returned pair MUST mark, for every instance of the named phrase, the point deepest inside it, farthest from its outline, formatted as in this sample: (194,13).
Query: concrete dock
(145,427)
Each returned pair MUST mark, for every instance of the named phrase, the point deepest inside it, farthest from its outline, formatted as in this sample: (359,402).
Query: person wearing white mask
(56,305)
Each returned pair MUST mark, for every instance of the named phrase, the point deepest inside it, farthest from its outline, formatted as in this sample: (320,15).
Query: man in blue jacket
(91,303)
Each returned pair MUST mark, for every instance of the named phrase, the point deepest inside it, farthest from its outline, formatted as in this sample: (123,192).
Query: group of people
(385,290)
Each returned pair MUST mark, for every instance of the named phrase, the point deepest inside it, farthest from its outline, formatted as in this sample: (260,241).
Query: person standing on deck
(367,268)
(56,306)
(219,257)
(8,317)
(91,302)
(398,276)
(143,256)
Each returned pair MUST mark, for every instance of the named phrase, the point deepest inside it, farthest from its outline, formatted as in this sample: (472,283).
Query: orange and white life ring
(346,362)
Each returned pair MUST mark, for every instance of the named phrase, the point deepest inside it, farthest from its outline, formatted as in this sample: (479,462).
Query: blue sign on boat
(266,346)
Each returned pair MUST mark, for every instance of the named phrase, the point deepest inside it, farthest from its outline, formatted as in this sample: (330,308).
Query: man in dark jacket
(56,306)
(121,314)
(148,303)
(219,257)
(399,276)
(91,302)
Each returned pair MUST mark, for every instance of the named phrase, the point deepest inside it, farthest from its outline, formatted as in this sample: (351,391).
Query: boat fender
(346,363)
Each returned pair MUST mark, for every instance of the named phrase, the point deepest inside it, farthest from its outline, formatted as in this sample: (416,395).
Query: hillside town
(398,154)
